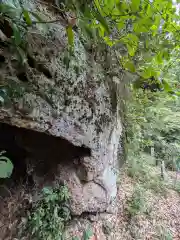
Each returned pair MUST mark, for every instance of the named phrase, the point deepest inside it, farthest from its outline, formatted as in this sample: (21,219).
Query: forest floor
(148,210)
(148,207)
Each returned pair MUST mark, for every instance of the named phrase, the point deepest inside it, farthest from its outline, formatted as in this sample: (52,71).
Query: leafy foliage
(164,233)
(142,170)
(153,120)
(6,166)
(49,215)
(147,30)
(137,204)
(86,236)
(143,34)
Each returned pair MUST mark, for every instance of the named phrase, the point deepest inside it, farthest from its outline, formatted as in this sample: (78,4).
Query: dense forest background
(153,120)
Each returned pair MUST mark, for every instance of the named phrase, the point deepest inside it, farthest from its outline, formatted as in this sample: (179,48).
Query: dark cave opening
(30,149)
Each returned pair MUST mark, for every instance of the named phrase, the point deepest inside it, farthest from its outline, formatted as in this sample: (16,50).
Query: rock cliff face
(73,105)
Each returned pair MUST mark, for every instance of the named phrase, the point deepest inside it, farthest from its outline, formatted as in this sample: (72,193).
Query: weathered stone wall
(74,104)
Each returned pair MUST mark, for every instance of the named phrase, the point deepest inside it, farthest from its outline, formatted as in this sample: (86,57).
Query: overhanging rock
(71,103)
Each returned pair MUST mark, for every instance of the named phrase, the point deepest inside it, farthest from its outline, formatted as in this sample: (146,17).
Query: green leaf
(135,5)
(131,50)
(120,25)
(41,20)
(70,35)
(97,5)
(21,55)
(129,65)
(166,55)
(146,43)
(103,22)
(27,17)
(47,190)
(131,41)
(123,6)
(142,25)
(87,234)
(139,28)
(101,31)
(159,58)
(6,167)
(37,16)
(75,238)
(166,86)
(109,42)
(8,9)
(147,73)
(154,27)
(148,10)
(178,94)
(67,60)
(16,35)
(150,72)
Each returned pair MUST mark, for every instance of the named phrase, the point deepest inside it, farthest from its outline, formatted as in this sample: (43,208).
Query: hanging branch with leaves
(149,31)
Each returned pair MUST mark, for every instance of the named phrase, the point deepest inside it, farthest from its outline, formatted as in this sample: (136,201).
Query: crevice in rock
(39,66)
(92,216)
(36,154)
(2,59)
(22,76)
(6,28)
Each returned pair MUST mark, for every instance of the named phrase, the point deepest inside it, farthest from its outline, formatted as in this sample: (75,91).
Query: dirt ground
(161,222)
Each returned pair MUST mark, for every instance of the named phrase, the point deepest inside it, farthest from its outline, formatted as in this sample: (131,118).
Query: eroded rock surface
(71,103)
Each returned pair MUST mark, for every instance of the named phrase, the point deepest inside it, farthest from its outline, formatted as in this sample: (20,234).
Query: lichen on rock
(72,103)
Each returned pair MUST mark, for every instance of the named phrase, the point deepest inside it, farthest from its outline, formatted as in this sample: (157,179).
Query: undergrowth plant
(164,233)
(138,203)
(86,235)
(50,214)
(143,172)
